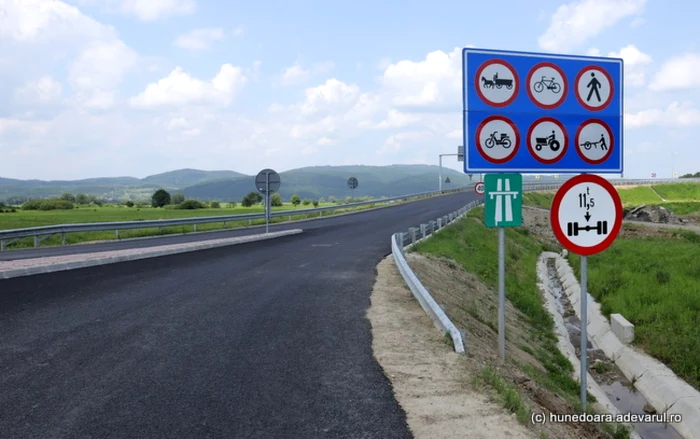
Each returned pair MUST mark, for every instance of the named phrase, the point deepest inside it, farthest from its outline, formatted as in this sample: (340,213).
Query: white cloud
(593,52)
(678,73)
(179,88)
(324,141)
(238,30)
(396,119)
(634,60)
(435,81)
(199,39)
(99,69)
(675,115)
(573,24)
(294,75)
(333,95)
(149,10)
(396,142)
(44,90)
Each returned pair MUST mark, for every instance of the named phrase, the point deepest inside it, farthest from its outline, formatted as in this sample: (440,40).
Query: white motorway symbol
(504,201)
(587,214)
(496,83)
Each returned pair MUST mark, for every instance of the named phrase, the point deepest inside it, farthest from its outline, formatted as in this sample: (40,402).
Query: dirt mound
(653,214)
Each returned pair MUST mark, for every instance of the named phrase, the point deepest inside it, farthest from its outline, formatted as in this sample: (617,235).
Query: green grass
(682,208)
(33,218)
(638,195)
(655,284)
(679,191)
(475,247)
(506,392)
(538,199)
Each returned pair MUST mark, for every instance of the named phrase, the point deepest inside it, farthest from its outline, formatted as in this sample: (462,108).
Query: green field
(681,198)
(655,284)
(34,218)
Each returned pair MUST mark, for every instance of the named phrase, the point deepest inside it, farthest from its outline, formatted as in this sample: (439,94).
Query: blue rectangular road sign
(542,113)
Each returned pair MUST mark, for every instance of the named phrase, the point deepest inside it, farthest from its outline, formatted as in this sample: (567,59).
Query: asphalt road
(174,239)
(260,340)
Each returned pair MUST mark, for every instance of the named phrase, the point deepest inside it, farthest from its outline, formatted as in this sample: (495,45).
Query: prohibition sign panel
(594,141)
(556,86)
(586,214)
(479,188)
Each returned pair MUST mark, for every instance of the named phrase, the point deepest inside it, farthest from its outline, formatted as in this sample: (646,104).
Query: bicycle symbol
(493,140)
(550,84)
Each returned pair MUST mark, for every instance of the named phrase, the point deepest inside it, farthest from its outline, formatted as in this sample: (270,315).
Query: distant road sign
(586,214)
(479,188)
(460,153)
(653,175)
(352,183)
(503,200)
(261,181)
(567,109)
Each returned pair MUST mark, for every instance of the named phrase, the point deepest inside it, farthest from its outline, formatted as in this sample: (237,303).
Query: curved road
(260,340)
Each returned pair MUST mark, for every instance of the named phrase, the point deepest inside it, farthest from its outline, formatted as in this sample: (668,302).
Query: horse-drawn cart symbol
(549,84)
(603,145)
(496,82)
(550,141)
(492,141)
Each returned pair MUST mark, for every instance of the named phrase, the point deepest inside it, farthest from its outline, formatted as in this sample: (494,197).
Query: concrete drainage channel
(622,380)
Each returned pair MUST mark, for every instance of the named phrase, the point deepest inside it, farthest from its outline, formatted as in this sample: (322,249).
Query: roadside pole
(267,182)
(267,203)
(584,331)
(502,293)
(502,208)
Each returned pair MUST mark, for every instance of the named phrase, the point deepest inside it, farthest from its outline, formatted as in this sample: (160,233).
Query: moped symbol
(504,140)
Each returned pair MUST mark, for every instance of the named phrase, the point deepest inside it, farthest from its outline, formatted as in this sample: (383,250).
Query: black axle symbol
(572,229)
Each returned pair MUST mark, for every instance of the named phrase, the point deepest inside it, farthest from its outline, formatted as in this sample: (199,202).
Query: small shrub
(307,202)
(191,204)
(215,205)
(315,203)
(50,204)
(129,204)
(232,204)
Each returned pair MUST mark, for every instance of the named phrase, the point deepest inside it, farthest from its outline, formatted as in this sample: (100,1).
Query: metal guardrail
(402,241)
(42,232)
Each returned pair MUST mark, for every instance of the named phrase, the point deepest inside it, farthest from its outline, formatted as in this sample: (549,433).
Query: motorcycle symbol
(550,141)
(550,84)
(492,141)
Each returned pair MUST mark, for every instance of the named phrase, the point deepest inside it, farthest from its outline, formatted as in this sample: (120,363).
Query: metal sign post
(586,218)
(502,208)
(267,182)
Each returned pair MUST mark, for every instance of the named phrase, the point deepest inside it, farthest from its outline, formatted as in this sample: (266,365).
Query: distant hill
(310,182)
(324,181)
(188,177)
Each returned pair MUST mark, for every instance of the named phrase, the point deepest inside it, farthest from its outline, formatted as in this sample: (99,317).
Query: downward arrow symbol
(587,216)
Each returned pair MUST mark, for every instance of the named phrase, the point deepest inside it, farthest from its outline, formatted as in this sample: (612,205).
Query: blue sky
(97,88)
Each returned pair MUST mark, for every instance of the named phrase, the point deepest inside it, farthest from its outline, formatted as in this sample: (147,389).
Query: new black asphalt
(259,340)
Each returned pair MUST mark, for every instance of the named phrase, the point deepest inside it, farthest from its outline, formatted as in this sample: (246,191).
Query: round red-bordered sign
(479,188)
(478,83)
(564,141)
(580,99)
(582,143)
(564,88)
(482,149)
(578,198)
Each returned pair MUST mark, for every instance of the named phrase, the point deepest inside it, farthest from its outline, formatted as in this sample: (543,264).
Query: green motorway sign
(503,200)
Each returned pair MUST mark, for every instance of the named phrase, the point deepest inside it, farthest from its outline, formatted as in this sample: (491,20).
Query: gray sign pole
(584,330)
(502,293)
(267,202)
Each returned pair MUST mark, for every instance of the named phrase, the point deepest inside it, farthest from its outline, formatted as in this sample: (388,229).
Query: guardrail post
(36,241)
(195,227)
(250,222)
(412,231)
(290,217)
(2,245)
(422,230)
(439,223)
(116,233)
(63,238)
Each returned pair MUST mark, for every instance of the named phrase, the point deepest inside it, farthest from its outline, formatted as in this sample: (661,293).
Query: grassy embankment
(474,246)
(85,214)
(653,281)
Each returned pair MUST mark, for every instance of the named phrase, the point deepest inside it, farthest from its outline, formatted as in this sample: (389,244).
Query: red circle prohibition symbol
(610,81)
(479,188)
(481,149)
(516,79)
(556,206)
(564,87)
(578,142)
(531,147)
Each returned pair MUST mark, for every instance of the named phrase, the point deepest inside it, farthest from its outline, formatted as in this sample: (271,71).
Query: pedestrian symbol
(503,200)
(594,88)
(594,85)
